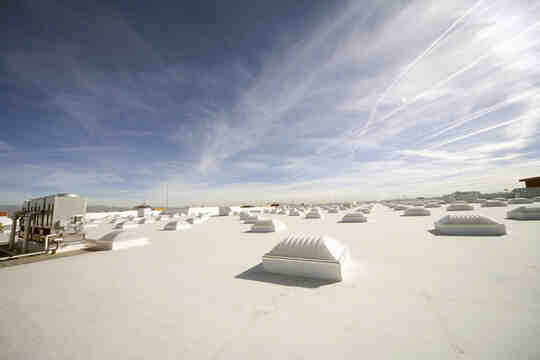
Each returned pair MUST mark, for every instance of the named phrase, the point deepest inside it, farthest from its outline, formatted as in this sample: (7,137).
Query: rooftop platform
(201,294)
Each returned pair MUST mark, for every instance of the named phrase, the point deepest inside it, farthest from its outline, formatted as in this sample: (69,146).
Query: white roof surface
(408,294)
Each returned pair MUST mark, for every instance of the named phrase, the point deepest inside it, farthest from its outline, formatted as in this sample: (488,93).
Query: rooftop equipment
(57,219)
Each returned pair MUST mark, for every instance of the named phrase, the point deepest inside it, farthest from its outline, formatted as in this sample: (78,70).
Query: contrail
(477,114)
(480,131)
(419,58)
(455,74)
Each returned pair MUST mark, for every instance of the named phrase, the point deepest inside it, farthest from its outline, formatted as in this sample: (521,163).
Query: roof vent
(520,201)
(117,239)
(416,211)
(266,225)
(314,213)
(177,225)
(493,203)
(355,217)
(124,225)
(469,225)
(459,207)
(319,257)
(524,213)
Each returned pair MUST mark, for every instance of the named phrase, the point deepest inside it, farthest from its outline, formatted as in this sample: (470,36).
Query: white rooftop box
(267,225)
(524,213)
(356,217)
(117,239)
(469,225)
(417,211)
(177,225)
(319,257)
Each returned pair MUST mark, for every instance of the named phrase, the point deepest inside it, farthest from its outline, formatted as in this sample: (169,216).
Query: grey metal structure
(57,219)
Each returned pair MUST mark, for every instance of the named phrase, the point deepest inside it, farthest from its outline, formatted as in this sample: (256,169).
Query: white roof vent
(432,205)
(493,203)
(314,214)
(252,219)
(124,225)
(144,220)
(355,217)
(524,213)
(520,201)
(199,219)
(400,207)
(469,225)
(294,212)
(117,239)
(459,207)
(225,211)
(417,211)
(309,256)
(266,225)
(333,210)
(177,225)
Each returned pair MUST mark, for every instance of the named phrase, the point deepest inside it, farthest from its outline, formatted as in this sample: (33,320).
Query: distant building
(531,189)
(532,182)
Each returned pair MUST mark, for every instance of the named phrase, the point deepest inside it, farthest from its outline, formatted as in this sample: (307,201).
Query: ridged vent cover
(120,240)
(354,217)
(268,225)
(466,220)
(309,247)
(177,225)
(520,201)
(493,203)
(459,207)
(417,211)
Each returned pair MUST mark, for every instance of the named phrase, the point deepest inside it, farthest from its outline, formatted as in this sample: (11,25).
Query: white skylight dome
(177,225)
(252,219)
(417,211)
(469,225)
(524,213)
(268,225)
(333,210)
(536,199)
(520,201)
(224,211)
(198,219)
(494,203)
(432,205)
(400,207)
(314,213)
(355,217)
(283,212)
(294,212)
(144,220)
(461,206)
(124,225)
(319,257)
(117,239)
(243,215)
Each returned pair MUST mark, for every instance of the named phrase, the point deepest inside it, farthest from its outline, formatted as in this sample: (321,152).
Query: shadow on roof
(257,273)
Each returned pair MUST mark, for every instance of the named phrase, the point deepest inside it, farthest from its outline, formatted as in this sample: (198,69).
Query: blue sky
(229,101)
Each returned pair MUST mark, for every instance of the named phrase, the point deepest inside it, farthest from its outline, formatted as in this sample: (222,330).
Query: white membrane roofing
(408,294)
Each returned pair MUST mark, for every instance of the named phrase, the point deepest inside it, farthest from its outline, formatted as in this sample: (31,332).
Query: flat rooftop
(200,294)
